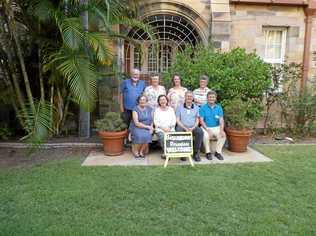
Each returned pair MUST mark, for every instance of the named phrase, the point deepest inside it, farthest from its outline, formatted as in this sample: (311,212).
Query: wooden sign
(178,144)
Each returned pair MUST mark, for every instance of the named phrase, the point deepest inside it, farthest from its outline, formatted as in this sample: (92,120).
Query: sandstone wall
(248,22)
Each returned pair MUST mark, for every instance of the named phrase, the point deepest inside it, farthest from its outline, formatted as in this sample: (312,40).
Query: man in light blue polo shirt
(212,122)
(130,90)
(188,120)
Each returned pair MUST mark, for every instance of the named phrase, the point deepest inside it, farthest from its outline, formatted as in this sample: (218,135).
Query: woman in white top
(176,93)
(164,119)
(153,91)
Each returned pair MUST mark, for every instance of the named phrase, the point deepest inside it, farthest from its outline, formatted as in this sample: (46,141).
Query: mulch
(21,157)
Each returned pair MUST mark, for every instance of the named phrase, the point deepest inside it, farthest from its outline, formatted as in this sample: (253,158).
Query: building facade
(278,30)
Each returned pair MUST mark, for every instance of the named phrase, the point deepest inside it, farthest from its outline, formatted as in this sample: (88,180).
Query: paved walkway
(97,158)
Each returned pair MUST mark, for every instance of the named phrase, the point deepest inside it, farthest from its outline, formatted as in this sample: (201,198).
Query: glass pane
(152,59)
(273,42)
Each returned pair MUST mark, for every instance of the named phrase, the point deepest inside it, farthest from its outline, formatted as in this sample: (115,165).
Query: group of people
(151,109)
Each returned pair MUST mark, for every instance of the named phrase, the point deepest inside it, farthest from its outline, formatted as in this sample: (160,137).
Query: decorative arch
(174,26)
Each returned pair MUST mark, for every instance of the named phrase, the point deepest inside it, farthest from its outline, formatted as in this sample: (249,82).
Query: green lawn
(63,198)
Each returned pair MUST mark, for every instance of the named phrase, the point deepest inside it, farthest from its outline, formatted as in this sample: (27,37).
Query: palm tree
(71,59)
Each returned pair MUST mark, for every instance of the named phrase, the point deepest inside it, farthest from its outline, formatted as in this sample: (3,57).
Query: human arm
(221,127)
(221,122)
(203,124)
(121,102)
(139,124)
(178,119)
(197,121)
(173,119)
(179,123)
(121,98)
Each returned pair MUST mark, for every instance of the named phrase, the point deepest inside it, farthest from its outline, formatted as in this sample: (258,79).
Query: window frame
(283,44)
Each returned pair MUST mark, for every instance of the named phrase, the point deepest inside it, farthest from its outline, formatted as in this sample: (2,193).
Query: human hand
(151,129)
(190,129)
(121,108)
(166,129)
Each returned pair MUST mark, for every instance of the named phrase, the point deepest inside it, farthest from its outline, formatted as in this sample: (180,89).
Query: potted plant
(112,130)
(240,118)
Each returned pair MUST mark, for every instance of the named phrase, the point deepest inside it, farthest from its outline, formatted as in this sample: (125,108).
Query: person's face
(135,76)
(203,83)
(155,80)
(188,98)
(211,99)
(142,101)
(163,101)
(177,81)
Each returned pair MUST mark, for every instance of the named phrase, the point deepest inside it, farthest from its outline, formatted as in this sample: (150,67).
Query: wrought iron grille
(172,33)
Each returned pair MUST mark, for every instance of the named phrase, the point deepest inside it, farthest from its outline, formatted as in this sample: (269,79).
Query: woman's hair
(211,92)
(160,96)
(174,75)
(154,75)
(140,96)
(204,77)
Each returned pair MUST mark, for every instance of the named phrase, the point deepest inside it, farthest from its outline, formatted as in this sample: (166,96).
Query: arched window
(171,34)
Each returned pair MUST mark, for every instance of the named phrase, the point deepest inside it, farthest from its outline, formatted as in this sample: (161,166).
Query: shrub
(234,74)
(241,114)
(297,109)
(112,122)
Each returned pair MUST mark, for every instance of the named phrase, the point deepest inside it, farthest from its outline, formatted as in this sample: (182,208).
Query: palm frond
(80,74)
(99,42)
(38,123)
(41,9)
(72,32)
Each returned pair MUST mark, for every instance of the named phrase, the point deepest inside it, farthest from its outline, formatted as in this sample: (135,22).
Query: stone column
(220,24)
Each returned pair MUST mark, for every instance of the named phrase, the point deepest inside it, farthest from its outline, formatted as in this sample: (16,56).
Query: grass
(62,198)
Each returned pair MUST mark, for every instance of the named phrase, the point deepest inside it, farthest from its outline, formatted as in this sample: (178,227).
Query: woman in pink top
(176,93)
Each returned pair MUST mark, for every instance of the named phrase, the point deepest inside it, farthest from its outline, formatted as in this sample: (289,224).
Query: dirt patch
(10,158)
(270,139)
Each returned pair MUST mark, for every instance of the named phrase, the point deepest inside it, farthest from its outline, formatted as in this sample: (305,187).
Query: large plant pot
(238,140)
(113,142)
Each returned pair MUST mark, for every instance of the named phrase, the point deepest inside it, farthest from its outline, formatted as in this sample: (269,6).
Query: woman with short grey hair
(200,93)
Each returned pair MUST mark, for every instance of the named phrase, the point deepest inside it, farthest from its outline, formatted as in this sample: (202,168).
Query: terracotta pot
(238,140)
(113,142)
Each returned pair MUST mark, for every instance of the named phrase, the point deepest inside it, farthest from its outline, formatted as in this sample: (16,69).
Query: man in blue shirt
(130,90)
(212,122)
(188,120)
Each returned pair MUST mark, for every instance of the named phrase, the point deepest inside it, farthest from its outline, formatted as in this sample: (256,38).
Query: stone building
(278,30)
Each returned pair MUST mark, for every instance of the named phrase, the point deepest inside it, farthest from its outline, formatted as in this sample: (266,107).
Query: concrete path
(97,158)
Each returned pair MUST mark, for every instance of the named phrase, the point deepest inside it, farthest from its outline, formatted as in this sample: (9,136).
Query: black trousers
(127,117)
(198,138)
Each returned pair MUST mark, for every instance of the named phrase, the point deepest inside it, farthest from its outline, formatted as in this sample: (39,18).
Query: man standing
(130,90)
(188,120)
(200,93)
(212,122)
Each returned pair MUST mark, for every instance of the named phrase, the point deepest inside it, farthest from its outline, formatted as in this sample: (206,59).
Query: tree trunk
(84,117)
(12,29)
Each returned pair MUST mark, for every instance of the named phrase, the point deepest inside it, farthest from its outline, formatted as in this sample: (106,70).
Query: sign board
(178,144)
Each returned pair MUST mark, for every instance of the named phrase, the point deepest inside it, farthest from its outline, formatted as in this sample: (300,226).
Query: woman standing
(153,91)
(141,127)
(164,119)
(176,93)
